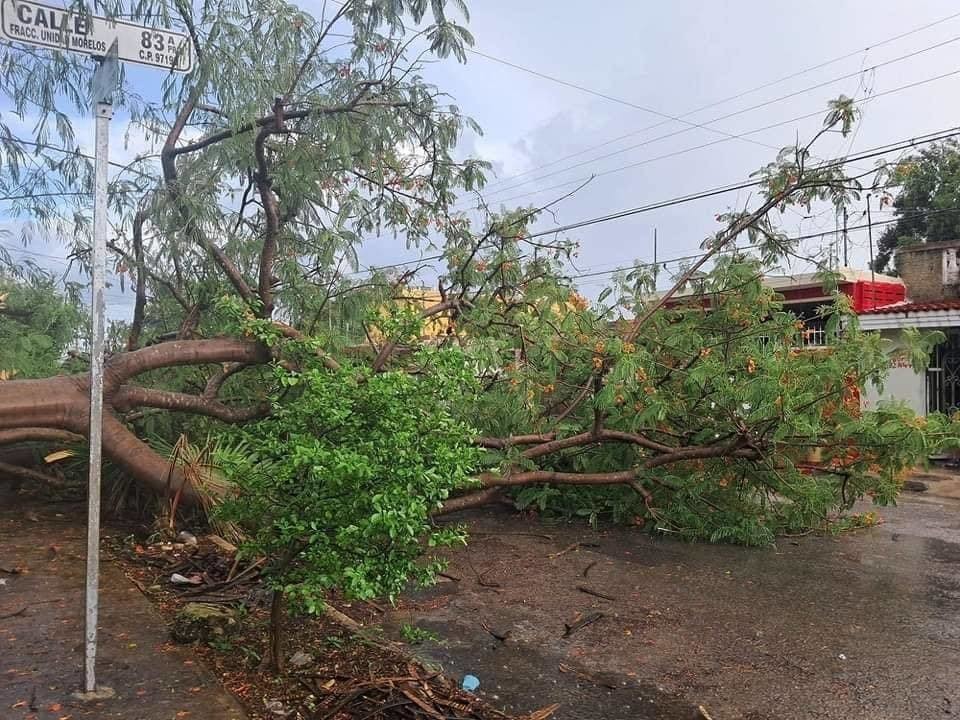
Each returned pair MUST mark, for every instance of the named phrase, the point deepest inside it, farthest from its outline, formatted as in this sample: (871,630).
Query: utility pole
(656,268)
(873,273)
(103,87)
(846,262)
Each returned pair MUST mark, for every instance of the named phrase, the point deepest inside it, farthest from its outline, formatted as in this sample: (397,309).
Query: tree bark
(276,632)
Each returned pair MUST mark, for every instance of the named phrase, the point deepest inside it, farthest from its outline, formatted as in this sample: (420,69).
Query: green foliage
(37,326)
(786,444)
(417,635)
(337,486)
(927,201)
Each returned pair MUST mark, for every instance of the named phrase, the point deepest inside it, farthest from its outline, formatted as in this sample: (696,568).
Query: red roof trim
(909,307)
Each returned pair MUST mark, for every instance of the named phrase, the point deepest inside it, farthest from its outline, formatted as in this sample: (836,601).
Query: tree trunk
(276,632)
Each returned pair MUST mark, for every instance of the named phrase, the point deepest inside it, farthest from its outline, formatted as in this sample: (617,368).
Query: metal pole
(846,263)
(656,268)
(873,272)
(104,111)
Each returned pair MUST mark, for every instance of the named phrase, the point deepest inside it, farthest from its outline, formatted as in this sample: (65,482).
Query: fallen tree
(690,411)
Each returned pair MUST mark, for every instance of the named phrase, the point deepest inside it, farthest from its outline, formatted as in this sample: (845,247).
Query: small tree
(337,486)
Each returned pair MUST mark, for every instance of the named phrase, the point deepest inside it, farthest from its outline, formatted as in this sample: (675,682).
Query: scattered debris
(595,593)
(301,659)
(415,695)
(203,622)
(21,611)
(704,715)
(276,707)
(178,579)
(589,566)
(571,547)
(187,538)
(841,656)
(501,636)
(225,545)
(580,622)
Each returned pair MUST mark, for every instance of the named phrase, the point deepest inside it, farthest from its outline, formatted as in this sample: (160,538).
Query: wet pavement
(41,633)
(864,625)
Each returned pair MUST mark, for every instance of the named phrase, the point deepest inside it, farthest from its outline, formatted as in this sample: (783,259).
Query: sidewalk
(41,633)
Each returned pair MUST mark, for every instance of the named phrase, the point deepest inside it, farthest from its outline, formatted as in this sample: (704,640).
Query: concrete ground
(864,625)
(41,633)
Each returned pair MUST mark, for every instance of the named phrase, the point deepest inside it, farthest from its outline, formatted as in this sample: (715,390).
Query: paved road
(862,626)
(41,649)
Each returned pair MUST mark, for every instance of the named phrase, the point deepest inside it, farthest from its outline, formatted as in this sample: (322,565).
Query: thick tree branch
(38,434)
(128,397)
(271,211)
(185,352)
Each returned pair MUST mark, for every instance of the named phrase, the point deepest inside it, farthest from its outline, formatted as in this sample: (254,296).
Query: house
(931,274)
(804,294)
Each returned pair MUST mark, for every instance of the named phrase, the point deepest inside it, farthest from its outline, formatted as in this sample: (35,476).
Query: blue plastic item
(470,683)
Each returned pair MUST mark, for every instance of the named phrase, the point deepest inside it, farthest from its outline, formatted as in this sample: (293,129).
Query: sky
(673,58)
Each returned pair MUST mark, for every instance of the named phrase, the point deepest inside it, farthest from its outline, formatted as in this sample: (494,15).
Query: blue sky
(673,57)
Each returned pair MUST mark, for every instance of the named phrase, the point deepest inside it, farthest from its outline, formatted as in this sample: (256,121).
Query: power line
(712,192)
(796,238)
(683,151)
(865,155)
(713,142)
(731,97)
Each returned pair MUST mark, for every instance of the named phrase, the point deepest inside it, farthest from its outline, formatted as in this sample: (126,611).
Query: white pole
(104,111)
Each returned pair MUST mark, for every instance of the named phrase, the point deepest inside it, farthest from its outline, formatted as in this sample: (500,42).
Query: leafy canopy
(927,201)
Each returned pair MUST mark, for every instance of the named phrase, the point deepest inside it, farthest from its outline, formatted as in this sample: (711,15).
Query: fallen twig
(595,593)
(580,623)
(21,611)
(589,565)
(572,546)
(502,637)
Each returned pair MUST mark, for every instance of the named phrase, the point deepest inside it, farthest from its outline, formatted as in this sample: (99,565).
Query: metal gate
(943,376)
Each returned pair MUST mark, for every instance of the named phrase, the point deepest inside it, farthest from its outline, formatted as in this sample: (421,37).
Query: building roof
(782,282)
(932,314)
(906,306)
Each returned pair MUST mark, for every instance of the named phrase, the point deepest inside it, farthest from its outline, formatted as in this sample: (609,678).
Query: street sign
(38,24)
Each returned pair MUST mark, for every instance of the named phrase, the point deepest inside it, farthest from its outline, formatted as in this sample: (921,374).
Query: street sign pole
(109,41)
(104,84)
